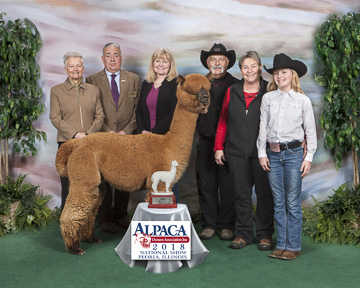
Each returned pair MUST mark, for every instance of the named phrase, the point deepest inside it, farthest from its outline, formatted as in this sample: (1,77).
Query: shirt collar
(291,92)
(70,84)
(109,73)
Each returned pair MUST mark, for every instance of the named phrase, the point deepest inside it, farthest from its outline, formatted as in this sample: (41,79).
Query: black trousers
(246,173)
(65,184)
(216,194)
(108,212)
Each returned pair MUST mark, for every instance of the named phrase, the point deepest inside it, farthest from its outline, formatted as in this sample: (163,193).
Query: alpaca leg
(152,189)
(154,186)
(89,229)
(167,187)
(70,230)
(78,217)
(91,237)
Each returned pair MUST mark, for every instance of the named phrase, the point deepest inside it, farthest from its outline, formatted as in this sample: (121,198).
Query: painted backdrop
(185,27)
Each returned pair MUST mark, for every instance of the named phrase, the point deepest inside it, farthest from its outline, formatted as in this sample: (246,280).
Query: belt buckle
(275,147)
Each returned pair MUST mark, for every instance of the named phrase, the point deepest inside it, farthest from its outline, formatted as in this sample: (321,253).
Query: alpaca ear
(180,80)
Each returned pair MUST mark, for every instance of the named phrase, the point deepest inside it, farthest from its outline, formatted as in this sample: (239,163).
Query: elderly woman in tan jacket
(75,108)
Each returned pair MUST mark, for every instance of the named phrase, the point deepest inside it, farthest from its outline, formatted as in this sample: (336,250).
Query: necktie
(114,90)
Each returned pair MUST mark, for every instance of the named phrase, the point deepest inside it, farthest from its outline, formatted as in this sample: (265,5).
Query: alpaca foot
(94,239)
(77,251)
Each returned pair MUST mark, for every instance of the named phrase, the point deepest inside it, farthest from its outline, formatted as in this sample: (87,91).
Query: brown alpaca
(125,161)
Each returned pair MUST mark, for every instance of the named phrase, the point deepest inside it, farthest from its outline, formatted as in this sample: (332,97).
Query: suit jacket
(72,111)
(121,117)
(165,107)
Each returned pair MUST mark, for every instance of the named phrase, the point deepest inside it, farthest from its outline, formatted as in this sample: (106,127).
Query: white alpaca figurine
(164,176)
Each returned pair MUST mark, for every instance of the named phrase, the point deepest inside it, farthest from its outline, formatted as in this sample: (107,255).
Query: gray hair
(112,45)
(250,54)
(72,54)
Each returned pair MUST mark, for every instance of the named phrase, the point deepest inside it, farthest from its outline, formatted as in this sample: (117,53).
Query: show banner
(160,240)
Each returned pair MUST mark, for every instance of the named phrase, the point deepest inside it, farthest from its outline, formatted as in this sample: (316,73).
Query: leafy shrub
(336,219)
(32,211)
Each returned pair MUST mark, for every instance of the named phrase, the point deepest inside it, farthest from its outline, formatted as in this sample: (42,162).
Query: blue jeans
(285,181)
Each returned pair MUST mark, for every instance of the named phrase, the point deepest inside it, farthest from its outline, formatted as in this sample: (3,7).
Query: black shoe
(238,243)
(108,227)
(265,245)
(123,223)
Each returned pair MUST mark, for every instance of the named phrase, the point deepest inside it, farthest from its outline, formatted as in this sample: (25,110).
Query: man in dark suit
(119,91)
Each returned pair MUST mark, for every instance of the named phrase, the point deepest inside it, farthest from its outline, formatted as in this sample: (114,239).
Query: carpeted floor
(38,259)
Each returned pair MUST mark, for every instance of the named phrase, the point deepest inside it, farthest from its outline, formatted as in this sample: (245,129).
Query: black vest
(243,128)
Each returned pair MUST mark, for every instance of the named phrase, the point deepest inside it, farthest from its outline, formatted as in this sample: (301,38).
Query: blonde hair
(295,83)
(163,53)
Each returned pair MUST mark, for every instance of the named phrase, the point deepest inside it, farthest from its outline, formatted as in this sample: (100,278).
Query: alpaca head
(193,92)
(174,163)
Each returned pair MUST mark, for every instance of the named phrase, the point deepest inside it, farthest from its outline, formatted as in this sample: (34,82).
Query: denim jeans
(285,181)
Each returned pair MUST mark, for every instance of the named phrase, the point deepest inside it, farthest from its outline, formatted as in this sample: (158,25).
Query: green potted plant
(338,58)
(23,207)
(20,95)
(337,54)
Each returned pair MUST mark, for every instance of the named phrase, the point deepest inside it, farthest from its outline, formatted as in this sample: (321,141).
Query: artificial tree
(20,95)
(337,219)
(338,58)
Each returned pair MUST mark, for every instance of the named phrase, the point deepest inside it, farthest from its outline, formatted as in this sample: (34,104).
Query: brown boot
(265,245)
(207,234)
(276,253)
(226,234)
(290,255)
(238,243)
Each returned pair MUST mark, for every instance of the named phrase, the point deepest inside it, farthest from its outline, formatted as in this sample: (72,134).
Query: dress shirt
(117,78)
(286,117)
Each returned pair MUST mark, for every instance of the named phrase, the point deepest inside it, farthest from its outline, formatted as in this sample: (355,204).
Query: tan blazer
(122,117)
(72,112)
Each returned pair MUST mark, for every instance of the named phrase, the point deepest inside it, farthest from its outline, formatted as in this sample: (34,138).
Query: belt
(287,145)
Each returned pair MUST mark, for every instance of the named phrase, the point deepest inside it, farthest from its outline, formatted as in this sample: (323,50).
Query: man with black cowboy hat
(218,211)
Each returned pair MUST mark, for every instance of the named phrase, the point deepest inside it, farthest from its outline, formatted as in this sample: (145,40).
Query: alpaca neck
(181,132)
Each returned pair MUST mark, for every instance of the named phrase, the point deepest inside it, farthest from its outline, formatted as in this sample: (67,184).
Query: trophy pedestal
(162,200)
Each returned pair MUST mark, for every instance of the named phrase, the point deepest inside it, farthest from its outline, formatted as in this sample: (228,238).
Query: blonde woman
(158,99)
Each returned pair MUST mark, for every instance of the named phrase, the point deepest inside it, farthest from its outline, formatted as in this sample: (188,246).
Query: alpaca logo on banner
(160,240)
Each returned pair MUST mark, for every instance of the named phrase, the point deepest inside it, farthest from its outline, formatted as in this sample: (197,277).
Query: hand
(121,132)
(305,168)
(80,135)
(146,132)
(304,146)
(112,131)
(220,157)
(264,163)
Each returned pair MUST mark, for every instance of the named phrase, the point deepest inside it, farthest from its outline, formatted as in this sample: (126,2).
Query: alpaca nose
(204,97)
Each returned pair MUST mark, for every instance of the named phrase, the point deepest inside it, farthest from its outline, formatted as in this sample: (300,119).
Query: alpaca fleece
(125,161)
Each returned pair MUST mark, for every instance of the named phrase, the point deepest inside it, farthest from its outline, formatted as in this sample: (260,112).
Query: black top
(165,107)
(242,128)
(207,123)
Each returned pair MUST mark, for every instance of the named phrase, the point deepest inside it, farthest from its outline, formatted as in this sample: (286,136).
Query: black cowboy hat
(218,49)
(283,61)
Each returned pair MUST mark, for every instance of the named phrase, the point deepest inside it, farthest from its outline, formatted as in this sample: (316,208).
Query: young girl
(286,118)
